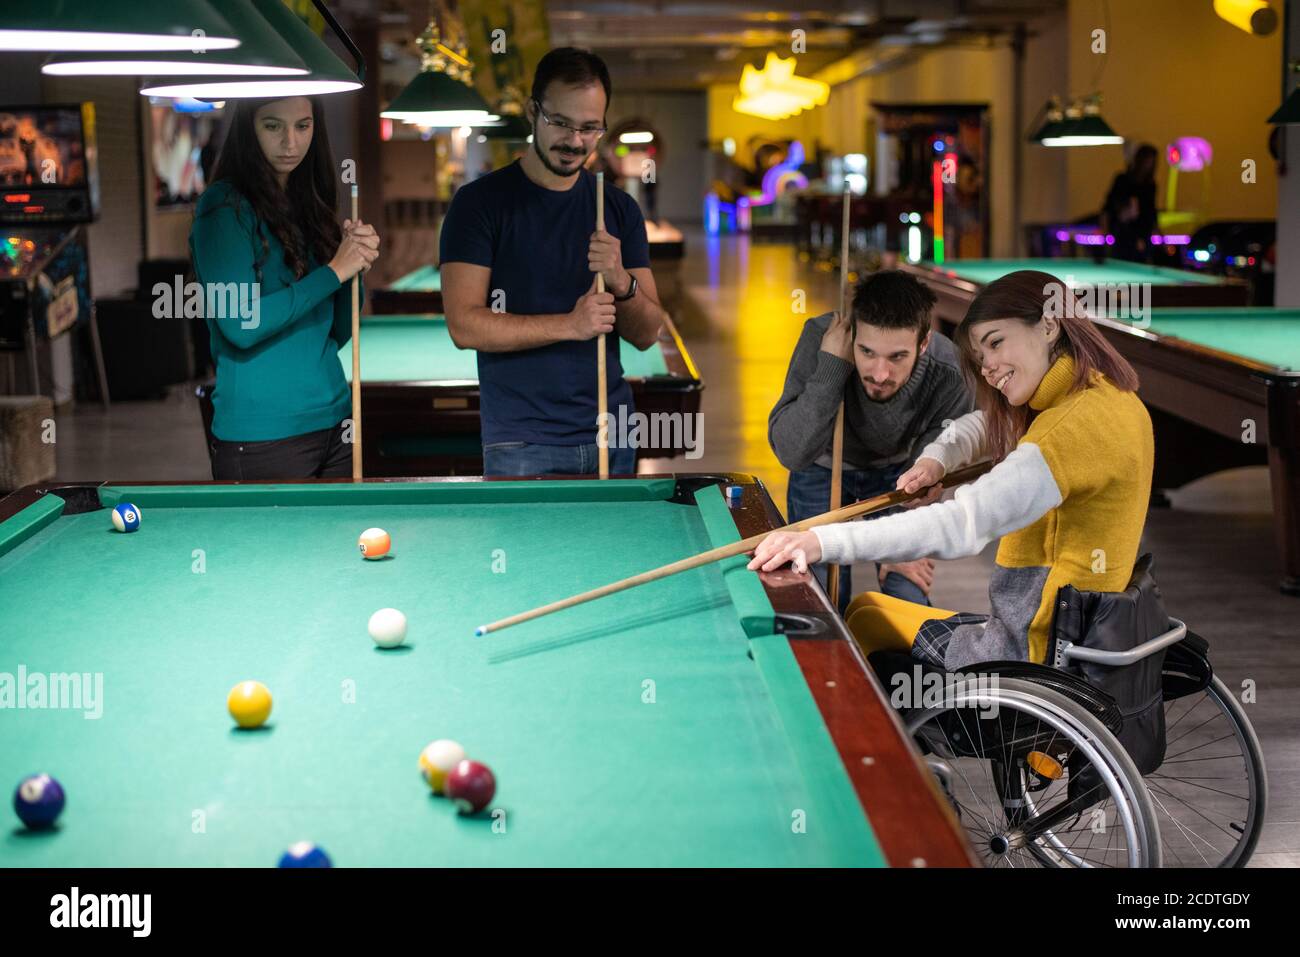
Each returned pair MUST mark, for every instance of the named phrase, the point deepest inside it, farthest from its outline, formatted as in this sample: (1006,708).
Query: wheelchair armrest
(1066,651)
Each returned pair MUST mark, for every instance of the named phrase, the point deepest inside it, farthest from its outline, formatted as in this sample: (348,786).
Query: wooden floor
(1213,548)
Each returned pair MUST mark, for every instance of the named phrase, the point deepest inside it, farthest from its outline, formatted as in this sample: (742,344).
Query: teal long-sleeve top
(278,369)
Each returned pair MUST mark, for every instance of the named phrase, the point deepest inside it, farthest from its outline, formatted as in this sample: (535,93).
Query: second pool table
(420,290)
(420,394)
(956,283)
(715,718)
(1223,389)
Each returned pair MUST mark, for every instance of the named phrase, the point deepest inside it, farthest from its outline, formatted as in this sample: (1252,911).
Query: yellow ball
(249,703)
(437,760)
(374,543)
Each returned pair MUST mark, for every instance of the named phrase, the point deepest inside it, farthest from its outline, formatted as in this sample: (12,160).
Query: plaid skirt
(933,637)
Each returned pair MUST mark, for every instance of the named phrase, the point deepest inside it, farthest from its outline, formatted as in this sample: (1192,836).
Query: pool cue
(602,382)
(837,443)
(885,500)
(356,361)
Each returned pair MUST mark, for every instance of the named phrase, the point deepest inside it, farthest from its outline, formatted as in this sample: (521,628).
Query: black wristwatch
(631,290)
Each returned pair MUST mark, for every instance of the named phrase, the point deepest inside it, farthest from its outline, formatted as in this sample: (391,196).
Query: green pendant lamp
(442,93)
(513,125)
(68,25)
(263,53)
(1053,122)
(1289,111)
(327,73)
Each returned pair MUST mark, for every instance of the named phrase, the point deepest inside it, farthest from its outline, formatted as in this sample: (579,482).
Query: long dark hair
(304,215)
(1026,296)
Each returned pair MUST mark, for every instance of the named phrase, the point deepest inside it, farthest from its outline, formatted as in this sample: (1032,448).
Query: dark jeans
(321,454)
(810,494)
(524,458)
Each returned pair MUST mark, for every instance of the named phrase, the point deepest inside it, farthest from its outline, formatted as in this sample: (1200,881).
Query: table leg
(1284,475)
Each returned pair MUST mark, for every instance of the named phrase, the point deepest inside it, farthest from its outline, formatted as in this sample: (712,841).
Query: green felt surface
(590,772)
(418,348)
(424,279)
(1268,336)
(1074,271)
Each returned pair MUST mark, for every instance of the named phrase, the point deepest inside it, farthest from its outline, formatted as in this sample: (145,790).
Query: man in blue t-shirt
(519,254)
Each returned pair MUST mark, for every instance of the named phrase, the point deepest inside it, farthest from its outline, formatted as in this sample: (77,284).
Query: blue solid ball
(305,854)
(38,801)
(126,517)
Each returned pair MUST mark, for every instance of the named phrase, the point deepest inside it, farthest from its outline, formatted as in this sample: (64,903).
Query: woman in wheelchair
(1058,413)
(1128,758)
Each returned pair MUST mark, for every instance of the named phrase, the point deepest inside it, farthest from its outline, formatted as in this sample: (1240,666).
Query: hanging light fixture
(1289,111)
(326,72)
(1053,121)
(513,125)
(67,25)
(1254,16)
(442,93)
(1080,125)
(775,93)
(263,53)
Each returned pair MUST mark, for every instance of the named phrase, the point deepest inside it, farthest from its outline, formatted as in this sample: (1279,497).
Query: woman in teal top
(275,267)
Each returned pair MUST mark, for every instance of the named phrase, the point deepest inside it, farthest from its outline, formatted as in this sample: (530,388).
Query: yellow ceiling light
(1254,16)
(775,93)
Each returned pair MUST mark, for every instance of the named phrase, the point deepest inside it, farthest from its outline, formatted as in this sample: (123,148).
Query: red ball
(471,785)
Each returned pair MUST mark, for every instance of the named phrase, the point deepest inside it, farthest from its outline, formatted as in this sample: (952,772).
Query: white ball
(388,627)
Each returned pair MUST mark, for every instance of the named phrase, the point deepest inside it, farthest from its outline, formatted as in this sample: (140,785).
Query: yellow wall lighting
(774,92)
(1253,16)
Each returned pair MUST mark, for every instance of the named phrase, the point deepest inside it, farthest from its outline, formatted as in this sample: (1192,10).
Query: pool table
(420,290)
(420,394)
(958,282)
(718,717)
(1205,374)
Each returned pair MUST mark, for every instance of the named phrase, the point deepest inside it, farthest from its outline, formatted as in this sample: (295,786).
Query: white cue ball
(388,627)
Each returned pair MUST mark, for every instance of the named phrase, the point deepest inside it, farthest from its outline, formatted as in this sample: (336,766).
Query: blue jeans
(810,494)
(525,458)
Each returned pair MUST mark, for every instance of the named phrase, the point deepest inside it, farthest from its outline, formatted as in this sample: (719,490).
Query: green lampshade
(54,25)
(327,73)
(1050,129)
(510,128)
(1289,111)
(263,53)
(435,99)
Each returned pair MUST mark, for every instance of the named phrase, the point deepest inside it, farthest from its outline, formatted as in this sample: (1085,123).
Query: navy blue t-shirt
(535,242)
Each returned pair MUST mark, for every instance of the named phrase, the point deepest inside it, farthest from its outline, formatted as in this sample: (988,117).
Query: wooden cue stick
(602,382)
(886,500)
(356,361)
(837,443)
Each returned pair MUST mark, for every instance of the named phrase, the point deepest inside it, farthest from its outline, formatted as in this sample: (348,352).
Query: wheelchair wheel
(1211,790)
(1036,780)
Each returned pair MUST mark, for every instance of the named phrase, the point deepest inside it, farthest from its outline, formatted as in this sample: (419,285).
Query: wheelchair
(1124,750)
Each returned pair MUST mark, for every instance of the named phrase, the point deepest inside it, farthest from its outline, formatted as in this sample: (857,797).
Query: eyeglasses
(586,132)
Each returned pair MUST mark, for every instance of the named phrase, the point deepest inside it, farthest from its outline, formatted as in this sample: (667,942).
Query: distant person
(1129,213)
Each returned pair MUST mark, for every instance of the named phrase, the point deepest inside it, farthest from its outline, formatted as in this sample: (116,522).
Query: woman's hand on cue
(365,234)
(799,549)
(924,472)
(355,253)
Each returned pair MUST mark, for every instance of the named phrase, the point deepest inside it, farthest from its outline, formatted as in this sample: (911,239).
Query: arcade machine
(49,190)
(930,162)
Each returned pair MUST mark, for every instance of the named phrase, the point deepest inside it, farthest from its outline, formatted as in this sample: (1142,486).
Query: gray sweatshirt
(876,434)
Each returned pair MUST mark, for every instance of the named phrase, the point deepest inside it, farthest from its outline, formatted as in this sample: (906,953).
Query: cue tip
(480,631)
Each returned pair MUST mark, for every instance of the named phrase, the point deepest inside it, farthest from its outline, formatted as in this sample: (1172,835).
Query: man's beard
(546,160)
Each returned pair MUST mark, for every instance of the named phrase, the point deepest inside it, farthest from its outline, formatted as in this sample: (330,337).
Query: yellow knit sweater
(1098,444)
